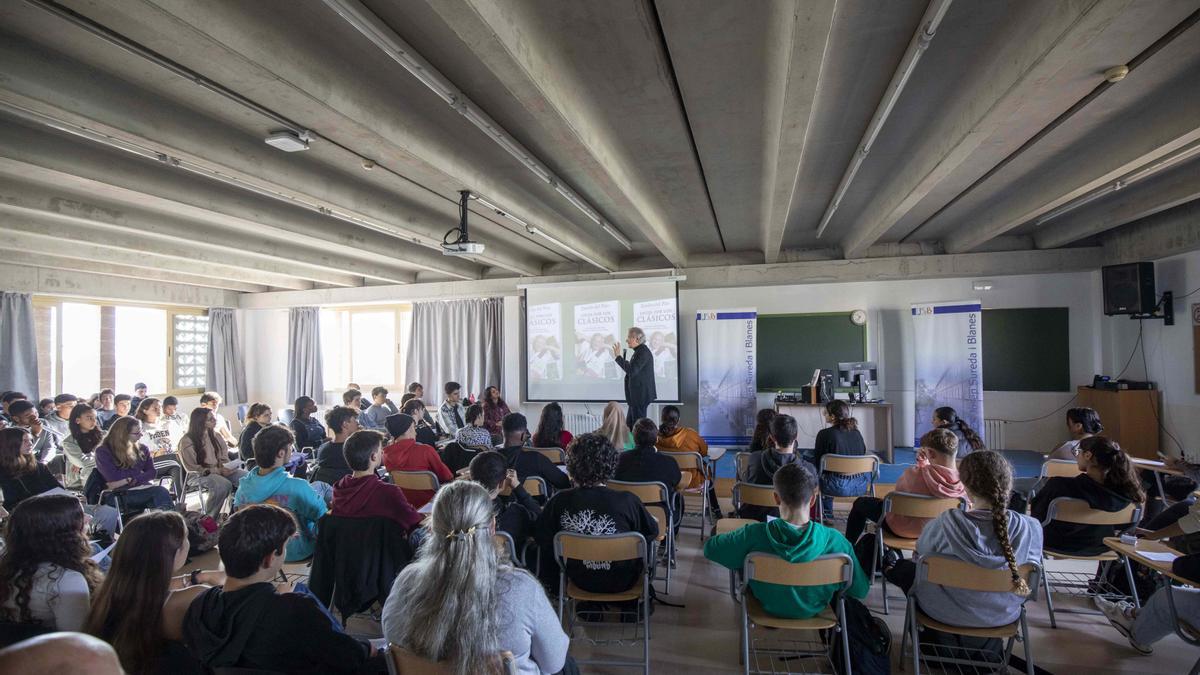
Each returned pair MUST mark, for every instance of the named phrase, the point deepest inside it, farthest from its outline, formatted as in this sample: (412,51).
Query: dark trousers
(637,410)
(153,497)
(864,510)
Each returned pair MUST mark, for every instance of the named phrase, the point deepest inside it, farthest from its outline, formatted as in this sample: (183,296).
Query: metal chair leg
(1049,600)
(1028,647)
(916,640)
(1129,577)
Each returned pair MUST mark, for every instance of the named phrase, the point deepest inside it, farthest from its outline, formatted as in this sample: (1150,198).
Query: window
(364,345)
(89,346)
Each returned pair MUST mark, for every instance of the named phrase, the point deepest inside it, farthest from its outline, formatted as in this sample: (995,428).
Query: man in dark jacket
(639,375)
(526,463)
(249,623)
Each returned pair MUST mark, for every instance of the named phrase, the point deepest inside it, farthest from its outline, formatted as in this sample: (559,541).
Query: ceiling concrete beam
(1165,125)
(81,95)
(1003,263)
(65,233)
(1132,203)
(42,281)
(292,266)
(990,99)
(28,154)
(277,64)
(18,249)
(1158,236)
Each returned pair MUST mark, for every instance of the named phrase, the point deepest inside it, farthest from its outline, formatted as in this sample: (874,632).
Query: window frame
(402,313)
(55,303)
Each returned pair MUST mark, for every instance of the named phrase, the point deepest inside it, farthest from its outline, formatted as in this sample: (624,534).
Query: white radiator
(993,434)
(580,423)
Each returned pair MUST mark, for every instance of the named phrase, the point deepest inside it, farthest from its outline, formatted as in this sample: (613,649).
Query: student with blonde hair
(613,427)
(125,464)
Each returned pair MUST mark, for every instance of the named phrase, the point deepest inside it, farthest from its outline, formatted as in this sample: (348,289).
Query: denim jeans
(153,497)
(841,485)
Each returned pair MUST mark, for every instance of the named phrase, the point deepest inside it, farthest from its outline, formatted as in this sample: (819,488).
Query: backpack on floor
(870,642)
(202,532)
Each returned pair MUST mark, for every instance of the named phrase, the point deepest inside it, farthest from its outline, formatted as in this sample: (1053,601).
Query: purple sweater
(142,472)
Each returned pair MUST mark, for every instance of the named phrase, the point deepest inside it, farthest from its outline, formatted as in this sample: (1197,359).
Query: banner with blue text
(948,340)
(726,374)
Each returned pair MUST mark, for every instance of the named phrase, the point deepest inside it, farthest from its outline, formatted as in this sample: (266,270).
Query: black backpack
(870,642)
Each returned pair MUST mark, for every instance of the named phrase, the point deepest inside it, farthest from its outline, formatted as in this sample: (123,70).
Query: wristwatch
(194,578)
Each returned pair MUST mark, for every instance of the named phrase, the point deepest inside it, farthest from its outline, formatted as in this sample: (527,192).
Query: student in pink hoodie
(935,474)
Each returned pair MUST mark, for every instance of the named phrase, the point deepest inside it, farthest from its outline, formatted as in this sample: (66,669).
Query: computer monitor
(857,374)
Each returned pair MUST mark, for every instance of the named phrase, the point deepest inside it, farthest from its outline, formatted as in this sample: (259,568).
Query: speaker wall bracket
(1165,310)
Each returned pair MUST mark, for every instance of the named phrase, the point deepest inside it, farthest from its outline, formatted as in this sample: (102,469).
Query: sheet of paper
(1158,556)
(233,464)
(102,554)
(562,468)
(770,518)
(427,508)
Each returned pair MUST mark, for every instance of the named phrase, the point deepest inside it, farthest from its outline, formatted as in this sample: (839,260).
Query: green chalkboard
(1027,349)
(792,346)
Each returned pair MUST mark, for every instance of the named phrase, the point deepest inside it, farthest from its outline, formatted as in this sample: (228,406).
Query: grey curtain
(459,340)
(304,354)
(226,373)
(18,345)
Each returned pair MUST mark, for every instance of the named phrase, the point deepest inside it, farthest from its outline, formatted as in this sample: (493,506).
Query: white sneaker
(1118,614)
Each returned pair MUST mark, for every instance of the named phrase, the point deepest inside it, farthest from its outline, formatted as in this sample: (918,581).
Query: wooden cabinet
(1130,417)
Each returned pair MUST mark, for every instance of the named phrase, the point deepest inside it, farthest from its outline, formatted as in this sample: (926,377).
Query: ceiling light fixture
(289,141)
(383,37)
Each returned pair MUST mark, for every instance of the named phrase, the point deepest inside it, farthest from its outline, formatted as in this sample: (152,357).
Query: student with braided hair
(1108,482)
(989,536)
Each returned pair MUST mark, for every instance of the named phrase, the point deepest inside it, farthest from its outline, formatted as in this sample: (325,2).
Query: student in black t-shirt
(592,508)
(516,512)
(252,623)
(427,431)
(331,462)
(516,432)
(644,464)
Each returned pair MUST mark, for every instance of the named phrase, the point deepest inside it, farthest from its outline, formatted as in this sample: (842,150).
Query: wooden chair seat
(727,525)
(1004,631)
(760,617)
(576,593)
(900,543)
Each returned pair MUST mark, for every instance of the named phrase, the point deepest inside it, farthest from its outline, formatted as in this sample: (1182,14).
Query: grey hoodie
(970,537)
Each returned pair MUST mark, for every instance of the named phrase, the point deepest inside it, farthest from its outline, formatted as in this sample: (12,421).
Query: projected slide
(570,330)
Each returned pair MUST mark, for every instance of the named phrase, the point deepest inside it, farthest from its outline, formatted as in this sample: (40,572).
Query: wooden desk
(1159,468)
(727,525)
(874,421)
(1130,417)
(1135,552)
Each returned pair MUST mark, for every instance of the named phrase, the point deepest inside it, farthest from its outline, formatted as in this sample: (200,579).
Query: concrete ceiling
(708,133)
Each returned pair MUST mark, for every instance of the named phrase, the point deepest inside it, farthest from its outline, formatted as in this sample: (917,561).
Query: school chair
(535,485)
(400,661)
(655,497)
(954,573)
(415,480)
(555,455)
(836,569)
(688,463)
(848,465)
(286,415)
(741,462)
(1078,512)
(506,546)
(914,506)
(615,548)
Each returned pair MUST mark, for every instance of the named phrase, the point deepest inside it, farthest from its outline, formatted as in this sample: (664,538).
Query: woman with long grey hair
(462,602)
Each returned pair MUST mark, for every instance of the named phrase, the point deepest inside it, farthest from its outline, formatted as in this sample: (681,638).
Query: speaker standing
(639,375)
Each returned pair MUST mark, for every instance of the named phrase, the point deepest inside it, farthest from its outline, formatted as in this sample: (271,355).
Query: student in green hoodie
(795,539)
(271,484)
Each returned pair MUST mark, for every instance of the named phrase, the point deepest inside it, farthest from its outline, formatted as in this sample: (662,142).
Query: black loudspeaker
(1129,288)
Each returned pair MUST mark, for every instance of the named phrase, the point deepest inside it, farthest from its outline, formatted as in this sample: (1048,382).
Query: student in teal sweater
(271,484)
(795,539)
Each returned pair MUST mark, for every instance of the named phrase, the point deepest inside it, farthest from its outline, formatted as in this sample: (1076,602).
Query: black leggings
(864,510)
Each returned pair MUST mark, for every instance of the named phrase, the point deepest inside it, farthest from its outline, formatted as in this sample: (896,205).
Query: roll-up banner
(726,374)
(948,339)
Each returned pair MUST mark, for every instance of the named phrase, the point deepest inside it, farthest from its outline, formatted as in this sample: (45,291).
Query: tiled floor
(703,636)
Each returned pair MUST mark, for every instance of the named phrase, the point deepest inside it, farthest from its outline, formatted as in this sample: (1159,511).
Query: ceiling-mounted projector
(457,241)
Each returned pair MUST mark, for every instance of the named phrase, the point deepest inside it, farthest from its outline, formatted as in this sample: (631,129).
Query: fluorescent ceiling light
(288,141)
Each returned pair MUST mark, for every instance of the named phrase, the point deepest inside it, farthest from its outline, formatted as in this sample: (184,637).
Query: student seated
(674,437)
(204,452)
(461,603)
(46,571)
(140,606)
(763,464)
(307,429)
(969,441)
(592,508)
(352,398)
(58,420)
(170,413)
(258,417)
(793,537)
(377,413)
(550,431)
(159,435)
(126,466)
(1107,483)
(934,475)
(406,454)
(253,623)
(24,416)
(761,438)
(515,513)
(989,536)
(79,445)
(472,434)
(613,425)
(1081,423)
(362,494)
(841,437)
(270,483)
(644,464)
(426,432)
(106,409)
(23,477)
(122,407)
(362,403)
(526,464)
(212,400)
(451,414)
(331,462)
